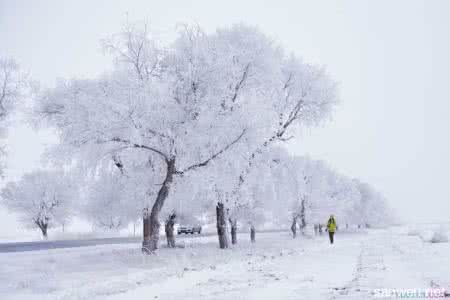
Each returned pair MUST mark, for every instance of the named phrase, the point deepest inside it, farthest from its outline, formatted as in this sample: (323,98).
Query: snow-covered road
(59,244)
(276,267)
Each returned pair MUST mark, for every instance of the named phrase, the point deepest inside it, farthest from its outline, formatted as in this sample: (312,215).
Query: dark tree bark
(151,222)
(294,227)
(221,225)
(252,234)
(303,215)
(233,225)
(44,231)
(145,227)
(170,222)
(43,227)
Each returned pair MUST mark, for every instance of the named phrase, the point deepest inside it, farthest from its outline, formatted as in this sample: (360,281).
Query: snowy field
(276,267)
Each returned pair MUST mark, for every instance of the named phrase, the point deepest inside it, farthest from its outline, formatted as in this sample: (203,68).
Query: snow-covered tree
(259,195)
(373,207)
(324,192)
(12,88)
(185,104)
(110,204)
(11,84)
(304,96)
(253,213)
(297,182)
(307,191)
(42,199)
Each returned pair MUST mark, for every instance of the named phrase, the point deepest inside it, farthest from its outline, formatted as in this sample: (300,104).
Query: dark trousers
(331,234)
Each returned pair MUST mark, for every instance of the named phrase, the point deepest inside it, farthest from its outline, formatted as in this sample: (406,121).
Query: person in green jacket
(331,228)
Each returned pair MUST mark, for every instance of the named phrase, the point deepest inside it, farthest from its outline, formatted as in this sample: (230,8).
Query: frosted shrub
(439,236)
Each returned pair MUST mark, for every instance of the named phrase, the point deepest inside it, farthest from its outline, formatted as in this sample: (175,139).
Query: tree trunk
(252,233)
(221,225)
(233,224)
(43,227)
(44,232)
(294,227)
(151,223)
(146,229)
(303,216)
(170,222)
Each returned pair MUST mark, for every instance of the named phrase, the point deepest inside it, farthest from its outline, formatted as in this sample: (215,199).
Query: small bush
(439,236)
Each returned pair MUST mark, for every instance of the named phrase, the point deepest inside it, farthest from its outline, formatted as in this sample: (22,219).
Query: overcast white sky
(391,59)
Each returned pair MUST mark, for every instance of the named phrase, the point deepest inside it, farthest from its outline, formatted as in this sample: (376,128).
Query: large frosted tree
(185,104)
(42,199)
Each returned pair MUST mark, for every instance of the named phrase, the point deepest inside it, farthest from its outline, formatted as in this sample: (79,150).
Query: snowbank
(440,236)
(432,233)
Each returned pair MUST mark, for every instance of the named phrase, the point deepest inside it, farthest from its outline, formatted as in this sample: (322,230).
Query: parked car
(189,229)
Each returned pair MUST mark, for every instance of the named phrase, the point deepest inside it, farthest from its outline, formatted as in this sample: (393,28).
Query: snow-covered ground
(276,267)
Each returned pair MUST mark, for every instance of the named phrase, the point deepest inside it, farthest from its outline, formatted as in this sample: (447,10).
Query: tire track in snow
(389,262)
(370,266)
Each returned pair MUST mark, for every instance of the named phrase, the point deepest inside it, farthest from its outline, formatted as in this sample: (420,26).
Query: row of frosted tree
(188,129)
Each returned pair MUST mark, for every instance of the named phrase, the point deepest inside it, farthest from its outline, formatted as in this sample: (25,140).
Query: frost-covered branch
(213,156)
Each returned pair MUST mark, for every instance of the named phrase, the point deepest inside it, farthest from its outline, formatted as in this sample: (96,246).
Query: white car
(189,229)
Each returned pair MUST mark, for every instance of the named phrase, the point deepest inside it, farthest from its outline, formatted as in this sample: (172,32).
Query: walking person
(331,228)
